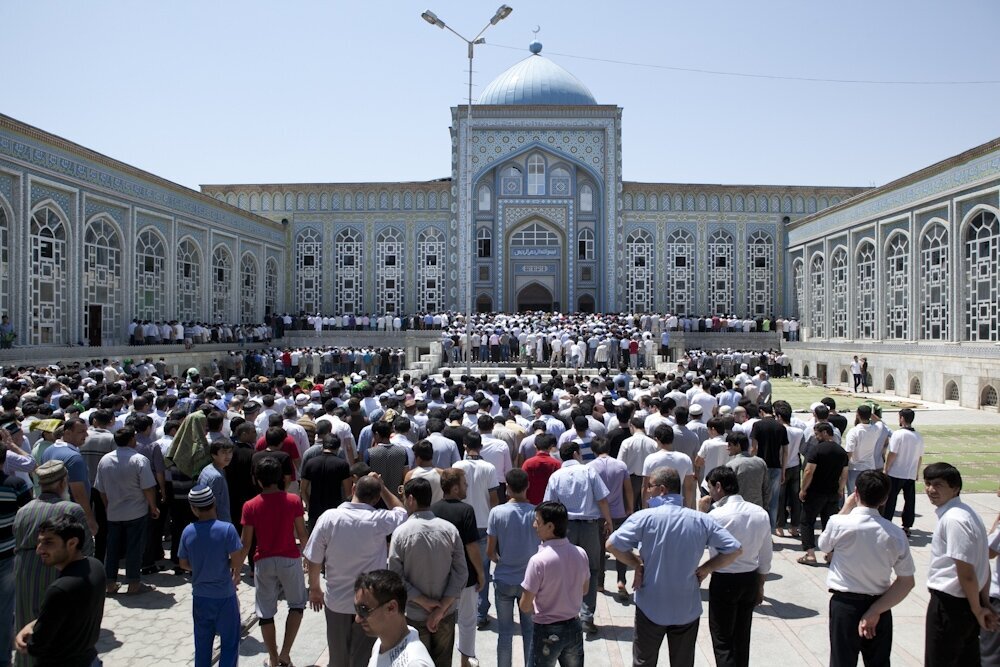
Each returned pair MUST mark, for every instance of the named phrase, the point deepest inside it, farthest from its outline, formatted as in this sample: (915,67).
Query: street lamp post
(429,16)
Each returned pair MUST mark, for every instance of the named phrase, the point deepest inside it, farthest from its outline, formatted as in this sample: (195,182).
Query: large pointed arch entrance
(534,297)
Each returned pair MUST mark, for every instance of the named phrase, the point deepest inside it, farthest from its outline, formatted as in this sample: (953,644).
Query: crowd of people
(391,502)
(175,332)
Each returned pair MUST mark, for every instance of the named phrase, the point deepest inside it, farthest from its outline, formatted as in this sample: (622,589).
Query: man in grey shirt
(433,583)
(126,484)
(99,442)
(751,471)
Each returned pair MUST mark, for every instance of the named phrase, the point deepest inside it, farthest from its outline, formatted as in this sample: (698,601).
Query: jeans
(789,505)
(6,609)
(587,536)
(774,474)
(507,595)
(216,616)
(908,487)
(133,535)
(852,479)
(439,644)
(558,642)
(484,595)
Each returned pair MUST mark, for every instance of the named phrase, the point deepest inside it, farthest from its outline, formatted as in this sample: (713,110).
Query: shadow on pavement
(153,600)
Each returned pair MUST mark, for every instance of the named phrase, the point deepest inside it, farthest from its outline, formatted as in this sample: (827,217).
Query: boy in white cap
(212,551)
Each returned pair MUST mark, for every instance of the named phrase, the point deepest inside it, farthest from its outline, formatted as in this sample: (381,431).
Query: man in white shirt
(902,464)
(380,603)
(667,458)
(633,452)
(958,577)
(736,589)
(866,550)
(348,541)
(860,445)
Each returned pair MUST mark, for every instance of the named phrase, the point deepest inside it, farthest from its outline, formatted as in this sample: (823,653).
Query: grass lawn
(971,449)
(802,396)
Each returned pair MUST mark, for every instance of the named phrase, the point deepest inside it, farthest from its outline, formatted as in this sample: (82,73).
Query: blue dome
(536,80)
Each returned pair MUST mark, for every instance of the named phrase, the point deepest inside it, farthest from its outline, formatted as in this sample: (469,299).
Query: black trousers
(681,640)
(846,610)
(908,487)
(816,505)
(731,599)
(951,632)
(180,517)
(101,516)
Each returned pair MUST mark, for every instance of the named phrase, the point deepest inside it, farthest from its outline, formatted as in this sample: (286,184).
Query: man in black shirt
(769,441)
(835,418)
(455,432)
(822,486)
(326,479)
(274,439)
(69,621)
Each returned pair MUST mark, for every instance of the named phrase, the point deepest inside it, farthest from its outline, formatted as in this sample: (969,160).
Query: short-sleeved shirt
(614,473)
(390,461)
(122,475)
(326,474)
(463,518)
(556,575)
(665,459)
(866,549)
(540,468)
(207,545)
(771,436)
(214,479)
(288,446)
(282,457)
(959,535)
(272,516)
(517,541)
(481,478)
(908,446)
(578,487)
(76,467)
(830,459)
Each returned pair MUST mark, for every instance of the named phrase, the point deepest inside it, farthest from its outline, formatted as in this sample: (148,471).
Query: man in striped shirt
(14,494)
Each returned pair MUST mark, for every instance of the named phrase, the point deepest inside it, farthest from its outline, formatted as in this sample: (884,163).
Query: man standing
(856,372)
(615,476)
(959,573)
(633,453)
(32,577)
(326,479)
(510,544)
(822,487)
(582,492)
(769,441)
(214,477)
(99,442)
(860,445)
(555,581)
(540,467)
(128,489)
(480,476)
(67,450)
(465,518)
(670,539)
(902,464)
(866,550)
(275,517)
(737,588)
(668,458)
(15,493)
(379,601)
(69,621)
(419,553)
(348,541)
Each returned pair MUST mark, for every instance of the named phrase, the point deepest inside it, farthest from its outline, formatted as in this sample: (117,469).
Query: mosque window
(150,275)
(484,243)
(271,287)
(586,199)
(897,287)
(982,253)
(798,279)
(720,279)
(760,278)
(349,276)
(536,175)
(680,272)
(639,260)
(838,278)
(390,262)
(188,281)
(102,271)
(935,288)
(430,246)
(309,270)
(248,289)
(485,198)
(865,290)
(48,281)
(585,245)
(222,284)
(560,182)
(510,181)
(535,235)
(989,397)
(817,292)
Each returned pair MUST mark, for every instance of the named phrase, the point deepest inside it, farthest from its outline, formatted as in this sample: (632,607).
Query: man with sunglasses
(379,605)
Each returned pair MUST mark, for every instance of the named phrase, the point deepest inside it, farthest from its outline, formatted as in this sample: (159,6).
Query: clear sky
(303,91)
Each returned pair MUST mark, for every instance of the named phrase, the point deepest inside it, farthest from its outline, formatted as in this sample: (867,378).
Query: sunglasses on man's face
(364,611)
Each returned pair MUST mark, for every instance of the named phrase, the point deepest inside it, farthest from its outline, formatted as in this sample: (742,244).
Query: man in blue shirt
(511,542)
(214,477)
(671,540)
(212,551)
(581,489)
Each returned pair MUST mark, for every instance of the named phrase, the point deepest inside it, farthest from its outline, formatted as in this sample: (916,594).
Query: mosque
(906,273)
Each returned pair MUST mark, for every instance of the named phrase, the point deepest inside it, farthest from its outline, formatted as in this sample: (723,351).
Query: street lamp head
(432,18)
(501,14)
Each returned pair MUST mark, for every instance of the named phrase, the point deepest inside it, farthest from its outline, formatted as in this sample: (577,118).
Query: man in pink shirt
(554,584)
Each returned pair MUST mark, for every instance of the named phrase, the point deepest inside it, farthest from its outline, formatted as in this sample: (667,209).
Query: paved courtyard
(790,628)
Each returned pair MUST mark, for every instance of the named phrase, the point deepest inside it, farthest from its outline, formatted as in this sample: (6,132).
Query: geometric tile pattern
(982,252)
(102,276)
